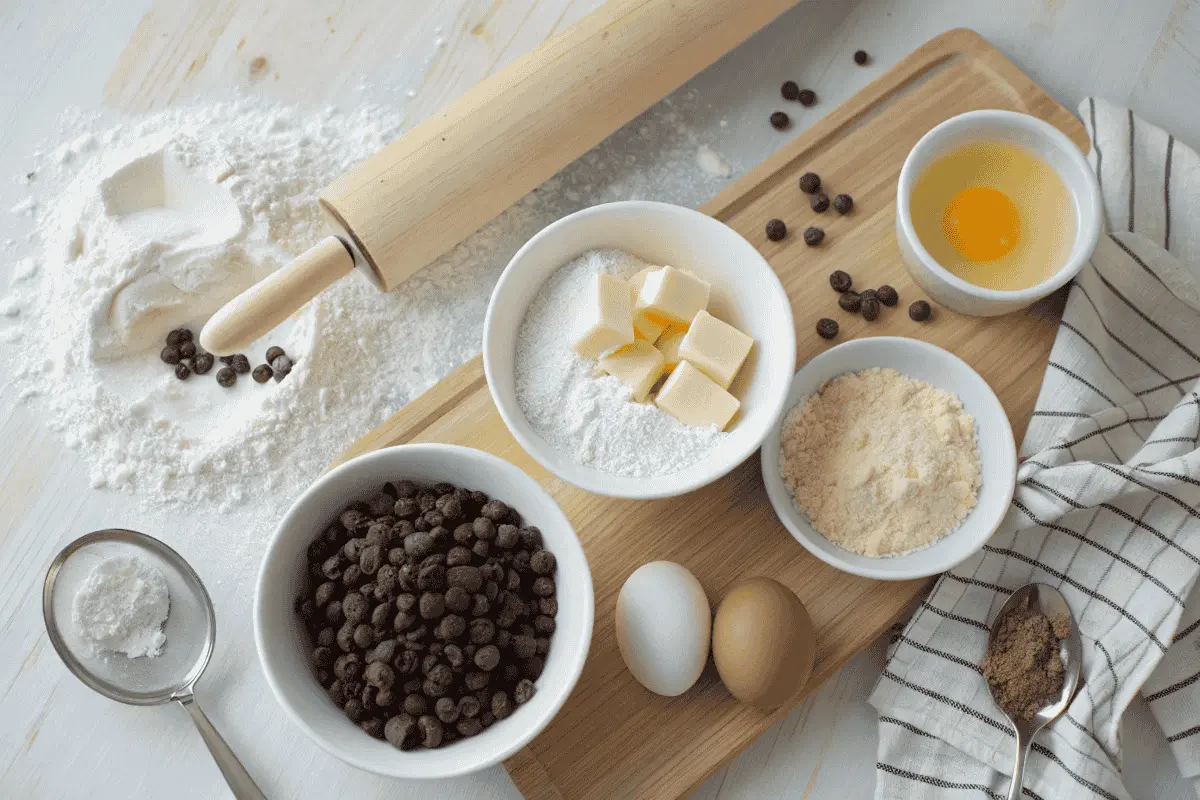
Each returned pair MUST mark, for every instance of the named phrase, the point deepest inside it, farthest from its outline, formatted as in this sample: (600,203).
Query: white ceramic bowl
(283,649)
(1034,135)
(745,293)
(997,451)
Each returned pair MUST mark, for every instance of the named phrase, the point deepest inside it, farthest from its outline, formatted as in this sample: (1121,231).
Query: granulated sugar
(881,464)
(592,418)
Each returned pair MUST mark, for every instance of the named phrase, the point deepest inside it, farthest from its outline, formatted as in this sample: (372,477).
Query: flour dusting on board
(141,224)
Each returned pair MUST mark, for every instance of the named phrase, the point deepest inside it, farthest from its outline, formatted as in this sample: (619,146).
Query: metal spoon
(1052,604)
(191,630)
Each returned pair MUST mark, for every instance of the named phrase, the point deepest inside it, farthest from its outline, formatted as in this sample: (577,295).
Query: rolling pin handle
(254,312)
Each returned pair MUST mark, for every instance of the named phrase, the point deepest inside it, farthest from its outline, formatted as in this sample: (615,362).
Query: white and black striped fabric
(1105,509)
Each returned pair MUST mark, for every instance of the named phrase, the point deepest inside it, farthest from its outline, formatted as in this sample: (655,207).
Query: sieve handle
(240,782)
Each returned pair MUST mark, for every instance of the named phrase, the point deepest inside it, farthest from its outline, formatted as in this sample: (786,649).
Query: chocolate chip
(842,203)
(813,236)
(202,363)
(170,355)
(262,373)
(868,294)
(179,336)
(780,120)
(544,587)
(240,364)
(401,732)
(819,202)
(840,281)
(187,349)
(850,301)
(860,57)
(273,353)
(827,328)
(888,296)
(494,510)
(182,372)
(226,377)
(524,692)
(790,90)
(531,538)
(810,182)
(870,308)
(807,97)
(920,311)
(543,562)
(776,230)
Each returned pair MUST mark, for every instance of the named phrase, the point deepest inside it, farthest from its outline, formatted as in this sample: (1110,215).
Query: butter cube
(645,326)
(693,398)
(668,345)
(716,348)
(605,318)
(637,365)
(672,295)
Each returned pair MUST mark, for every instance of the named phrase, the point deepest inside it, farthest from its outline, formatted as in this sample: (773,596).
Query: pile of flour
(592,418)
(138,224)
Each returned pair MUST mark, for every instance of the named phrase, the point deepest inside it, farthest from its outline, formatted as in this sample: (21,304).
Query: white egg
(663,627)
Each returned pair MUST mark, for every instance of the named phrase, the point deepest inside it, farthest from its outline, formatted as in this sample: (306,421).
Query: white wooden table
(57,739)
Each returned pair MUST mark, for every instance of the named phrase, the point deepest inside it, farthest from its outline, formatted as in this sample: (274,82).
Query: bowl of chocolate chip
(423,611)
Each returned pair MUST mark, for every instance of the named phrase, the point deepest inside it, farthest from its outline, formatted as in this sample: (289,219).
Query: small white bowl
(1034,135)
(745,293)
(997,455)
(283,647)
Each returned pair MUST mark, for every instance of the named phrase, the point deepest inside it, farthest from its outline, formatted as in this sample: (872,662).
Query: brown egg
(763,642)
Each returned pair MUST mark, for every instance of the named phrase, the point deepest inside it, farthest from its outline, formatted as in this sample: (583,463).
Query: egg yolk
(982,223)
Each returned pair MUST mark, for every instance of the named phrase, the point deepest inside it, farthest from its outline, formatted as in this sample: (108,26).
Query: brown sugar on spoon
(1023,664)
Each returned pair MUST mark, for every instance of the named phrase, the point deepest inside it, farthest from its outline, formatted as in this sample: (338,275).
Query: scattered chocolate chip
(202,363)
(273,353)
(790,90)
(920,311)
(262,373)
(840,280)
(182,372)
(776,230)
(179,336)
(843,203)
(227,360)
(810,182)
(226,377)
(819,202)
(850,301)
(870,308)
(860,57)
(187,349)
(870,293)
(888,296)
(780,121)
(827,328)
(170,354)
(807,97)
(813,236)
(240,364)
(282,364)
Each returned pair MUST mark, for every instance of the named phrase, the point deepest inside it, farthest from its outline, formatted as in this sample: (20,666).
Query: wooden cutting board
(614,738)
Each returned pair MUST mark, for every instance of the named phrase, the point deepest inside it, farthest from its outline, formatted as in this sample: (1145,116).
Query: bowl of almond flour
(892,460)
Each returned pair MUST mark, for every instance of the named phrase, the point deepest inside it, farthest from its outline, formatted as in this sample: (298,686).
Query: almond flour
(881,464)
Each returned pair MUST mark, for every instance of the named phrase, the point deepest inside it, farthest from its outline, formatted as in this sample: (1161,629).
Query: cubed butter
(716,348)
(673,296)
(645,326)
(605,317)
(693,398)
(637,365)
(668,345)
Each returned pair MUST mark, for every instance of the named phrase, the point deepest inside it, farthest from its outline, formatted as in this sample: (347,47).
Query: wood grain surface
(613,738)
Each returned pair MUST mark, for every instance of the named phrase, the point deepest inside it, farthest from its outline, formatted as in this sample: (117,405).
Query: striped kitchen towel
(1105,509)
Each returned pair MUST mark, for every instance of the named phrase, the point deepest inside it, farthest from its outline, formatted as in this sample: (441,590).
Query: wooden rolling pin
(427,191)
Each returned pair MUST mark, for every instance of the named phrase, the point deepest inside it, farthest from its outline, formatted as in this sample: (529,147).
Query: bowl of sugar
(639,349)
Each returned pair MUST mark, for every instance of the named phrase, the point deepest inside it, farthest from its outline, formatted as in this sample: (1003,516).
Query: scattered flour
(592,418)
(711,162)
(881,464)
(121,608)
